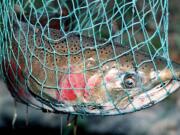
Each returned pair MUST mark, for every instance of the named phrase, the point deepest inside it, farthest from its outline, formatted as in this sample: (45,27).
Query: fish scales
(71,70)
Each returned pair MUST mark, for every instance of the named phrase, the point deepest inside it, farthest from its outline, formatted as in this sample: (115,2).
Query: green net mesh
(87,56)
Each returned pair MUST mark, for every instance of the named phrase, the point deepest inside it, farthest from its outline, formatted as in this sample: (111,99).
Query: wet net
(101,57)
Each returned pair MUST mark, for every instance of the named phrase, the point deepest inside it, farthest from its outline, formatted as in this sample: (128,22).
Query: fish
(73,73)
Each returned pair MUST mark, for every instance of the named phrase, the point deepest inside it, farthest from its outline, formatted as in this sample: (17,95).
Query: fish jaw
(171,82)
(152,96)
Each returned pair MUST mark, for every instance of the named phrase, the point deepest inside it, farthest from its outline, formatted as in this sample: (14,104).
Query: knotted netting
(87,56)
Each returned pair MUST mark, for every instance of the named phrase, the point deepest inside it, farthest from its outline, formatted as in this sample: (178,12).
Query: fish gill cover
(101,57)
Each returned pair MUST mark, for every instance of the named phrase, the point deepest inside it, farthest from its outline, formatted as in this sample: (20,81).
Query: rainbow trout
(72,73)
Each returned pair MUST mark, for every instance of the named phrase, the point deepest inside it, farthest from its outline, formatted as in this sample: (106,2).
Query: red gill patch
(72,85)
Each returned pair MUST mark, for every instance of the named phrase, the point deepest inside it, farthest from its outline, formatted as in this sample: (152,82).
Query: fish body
(73,73)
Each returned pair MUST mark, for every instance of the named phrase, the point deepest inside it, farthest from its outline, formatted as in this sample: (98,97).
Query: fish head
(128,88)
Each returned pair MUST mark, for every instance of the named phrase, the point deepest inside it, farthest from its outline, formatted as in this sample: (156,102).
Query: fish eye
(129,81)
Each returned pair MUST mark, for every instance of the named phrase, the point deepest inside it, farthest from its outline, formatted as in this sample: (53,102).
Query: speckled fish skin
(51,65)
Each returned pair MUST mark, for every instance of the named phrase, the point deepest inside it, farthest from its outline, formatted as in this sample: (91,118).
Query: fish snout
(176,71)
(171,73)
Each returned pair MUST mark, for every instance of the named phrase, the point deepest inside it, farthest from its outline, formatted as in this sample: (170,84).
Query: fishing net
(82,56)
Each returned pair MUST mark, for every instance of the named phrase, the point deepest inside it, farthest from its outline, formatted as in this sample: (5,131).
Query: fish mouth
(148,98)
(154,95)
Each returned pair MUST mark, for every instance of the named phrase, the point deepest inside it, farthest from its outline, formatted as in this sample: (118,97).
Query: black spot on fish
(62,42)
(76,49)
